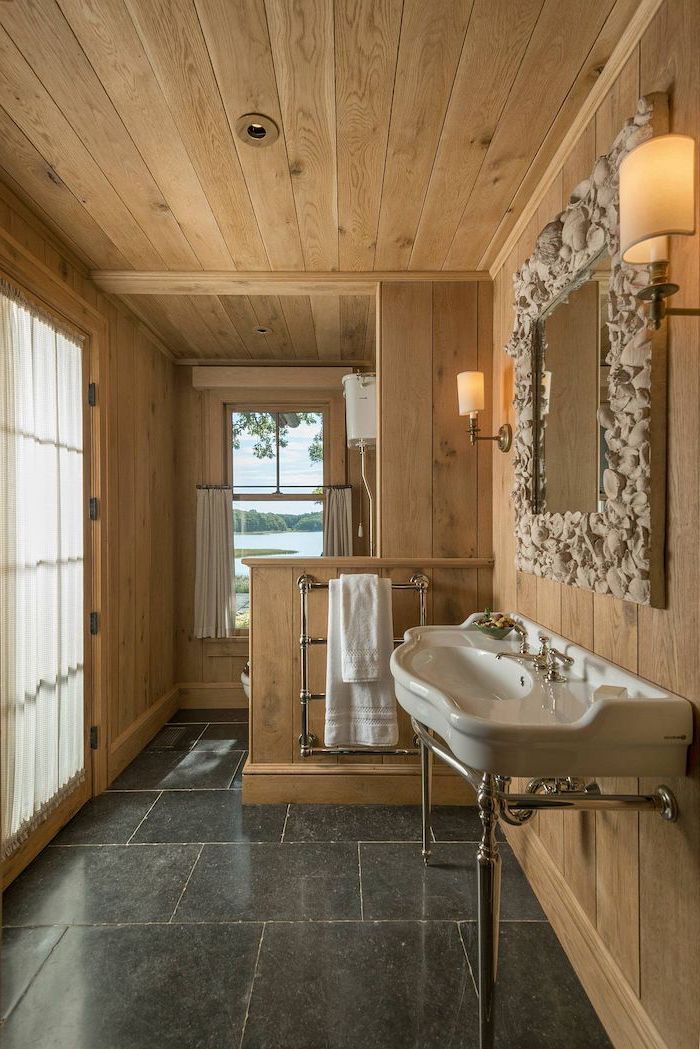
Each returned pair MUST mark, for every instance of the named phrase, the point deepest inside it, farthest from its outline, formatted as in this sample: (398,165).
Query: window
(277,473)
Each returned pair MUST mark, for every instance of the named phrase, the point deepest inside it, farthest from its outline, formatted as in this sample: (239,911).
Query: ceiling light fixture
(263,331)
(255,129)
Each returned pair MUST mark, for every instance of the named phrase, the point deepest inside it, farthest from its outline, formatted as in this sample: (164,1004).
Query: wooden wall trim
(13,866)
(35,275)
(239,282)
(131,742)
(252,378)
(500,248)
(348,785)
(371,562)
(620,1010)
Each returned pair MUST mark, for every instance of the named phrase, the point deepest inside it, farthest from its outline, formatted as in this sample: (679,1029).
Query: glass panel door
(42,597)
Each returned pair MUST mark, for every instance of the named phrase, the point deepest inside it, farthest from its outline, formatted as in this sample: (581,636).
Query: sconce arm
(504,437)
(658,291)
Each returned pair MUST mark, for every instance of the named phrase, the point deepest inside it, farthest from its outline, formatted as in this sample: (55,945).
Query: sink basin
(500,716)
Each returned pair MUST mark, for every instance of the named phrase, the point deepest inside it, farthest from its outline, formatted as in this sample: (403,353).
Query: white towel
(365,611)
(359,713)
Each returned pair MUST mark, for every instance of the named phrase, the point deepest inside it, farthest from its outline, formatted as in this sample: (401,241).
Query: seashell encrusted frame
(610,551)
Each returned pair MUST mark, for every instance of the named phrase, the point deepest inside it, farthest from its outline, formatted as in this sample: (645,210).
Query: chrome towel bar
(307,741)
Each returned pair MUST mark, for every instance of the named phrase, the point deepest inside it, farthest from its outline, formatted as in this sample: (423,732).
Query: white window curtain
(214,590)
(337,522)
(41,567)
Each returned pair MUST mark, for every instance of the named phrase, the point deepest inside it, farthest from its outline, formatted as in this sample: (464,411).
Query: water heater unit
(360,392)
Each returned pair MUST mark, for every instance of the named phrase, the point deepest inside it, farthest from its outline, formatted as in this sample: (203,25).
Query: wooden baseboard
(131,742)
(620,1010)
(43,834)
(347,785)
(213,694)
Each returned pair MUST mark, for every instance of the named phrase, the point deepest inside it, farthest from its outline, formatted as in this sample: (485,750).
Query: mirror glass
(570,377)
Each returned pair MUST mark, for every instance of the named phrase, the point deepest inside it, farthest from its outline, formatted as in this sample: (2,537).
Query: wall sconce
(657,199)
(470,394)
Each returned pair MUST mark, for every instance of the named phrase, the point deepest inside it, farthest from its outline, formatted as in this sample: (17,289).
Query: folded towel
(359,713)
(365,610)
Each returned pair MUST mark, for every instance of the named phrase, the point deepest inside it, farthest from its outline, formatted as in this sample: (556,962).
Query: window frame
(230,408)
(322,409)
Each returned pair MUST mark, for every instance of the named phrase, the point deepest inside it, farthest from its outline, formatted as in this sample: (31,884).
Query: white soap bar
(610,692)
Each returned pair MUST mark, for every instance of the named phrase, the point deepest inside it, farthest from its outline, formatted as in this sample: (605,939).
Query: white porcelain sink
(501,716)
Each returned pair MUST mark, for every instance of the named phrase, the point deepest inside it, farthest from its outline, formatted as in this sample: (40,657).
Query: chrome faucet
(522,657)
(545,661)
(549,659)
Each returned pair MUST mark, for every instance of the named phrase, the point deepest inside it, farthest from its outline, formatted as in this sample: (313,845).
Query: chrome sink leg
(426,772)
(489,896)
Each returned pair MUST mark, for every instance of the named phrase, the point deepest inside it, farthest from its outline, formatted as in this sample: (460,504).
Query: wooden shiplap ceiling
(410,130)
(302,329)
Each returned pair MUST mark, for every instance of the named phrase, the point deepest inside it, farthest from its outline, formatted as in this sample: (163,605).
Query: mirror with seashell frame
(570,374)
(589,464)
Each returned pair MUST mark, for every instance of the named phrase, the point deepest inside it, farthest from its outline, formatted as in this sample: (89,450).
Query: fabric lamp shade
(657,197)
(470,392)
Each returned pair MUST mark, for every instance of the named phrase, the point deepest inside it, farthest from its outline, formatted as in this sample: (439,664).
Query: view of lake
(308,544)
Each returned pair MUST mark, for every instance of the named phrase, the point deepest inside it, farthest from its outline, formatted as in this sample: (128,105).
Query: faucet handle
(522,634)
(544,644)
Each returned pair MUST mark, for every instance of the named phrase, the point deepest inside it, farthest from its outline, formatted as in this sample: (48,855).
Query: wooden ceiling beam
(244,282)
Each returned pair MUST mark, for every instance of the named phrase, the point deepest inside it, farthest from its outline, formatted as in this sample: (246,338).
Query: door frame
(38,284)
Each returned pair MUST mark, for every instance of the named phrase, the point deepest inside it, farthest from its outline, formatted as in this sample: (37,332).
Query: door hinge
(92,394)
(94,622)
(93,737)
(94,508)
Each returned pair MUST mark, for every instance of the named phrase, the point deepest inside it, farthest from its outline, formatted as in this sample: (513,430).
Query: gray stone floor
(167,914)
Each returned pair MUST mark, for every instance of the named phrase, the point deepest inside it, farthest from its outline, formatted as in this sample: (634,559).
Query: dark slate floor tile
(345,985)
(176,737)
(140,987)
(173,770)
(86,884)
(541,1002)
(353,823)
(397,885)
(209,715)
(272,882)
(222,738)
(23,953)
(210,816)
(108,819)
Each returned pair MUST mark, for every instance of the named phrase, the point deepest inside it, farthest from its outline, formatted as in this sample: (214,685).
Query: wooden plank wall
(138,509)
(434,486)
(636,879)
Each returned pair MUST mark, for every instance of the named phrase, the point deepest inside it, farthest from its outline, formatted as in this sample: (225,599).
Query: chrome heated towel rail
(307,741)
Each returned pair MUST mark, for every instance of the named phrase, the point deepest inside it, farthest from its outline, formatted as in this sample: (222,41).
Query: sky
(295,468)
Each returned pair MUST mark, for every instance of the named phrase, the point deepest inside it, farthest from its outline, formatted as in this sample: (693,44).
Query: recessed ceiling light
(255,129)
(263,331)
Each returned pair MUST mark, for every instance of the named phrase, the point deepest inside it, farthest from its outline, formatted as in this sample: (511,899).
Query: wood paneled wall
(136,397)
(636,880)
(434,486)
